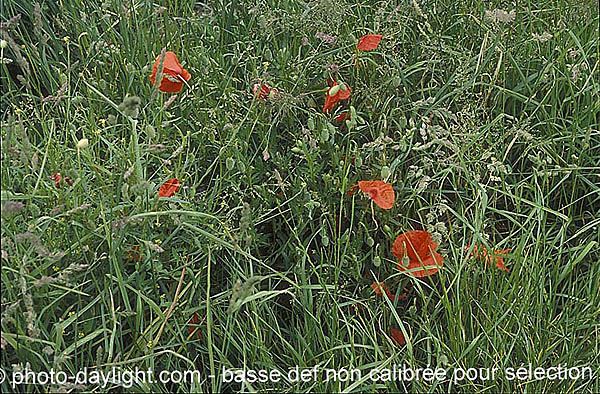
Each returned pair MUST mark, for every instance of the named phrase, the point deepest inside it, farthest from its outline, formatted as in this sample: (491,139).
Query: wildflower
(335,94)
(380,192)
(193,326)
(369,42)
(481,253)
(353,189)
(545,36)
(133,254)
(3,44)
(381,287)
(498,15)
(398,337)
(154,246)
(169,188)
(326,38)
(173,75)
(56,178)
(83,143)
(343,116)
(416,255)
(264,91)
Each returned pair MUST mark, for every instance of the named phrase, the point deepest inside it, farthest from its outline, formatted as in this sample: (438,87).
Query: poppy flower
(193,326)
(483,254)
(415,251)
(398,337)
(173,74)
(56,178)
(369,42)
(133,254)
(380,192)
(168,188)
(352,189)
(335,94)
(381,287)
(263,91)
(343,116)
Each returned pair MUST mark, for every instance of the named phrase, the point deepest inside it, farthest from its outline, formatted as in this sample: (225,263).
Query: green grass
(488,135)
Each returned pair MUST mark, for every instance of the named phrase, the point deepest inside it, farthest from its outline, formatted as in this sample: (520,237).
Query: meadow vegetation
(483,116)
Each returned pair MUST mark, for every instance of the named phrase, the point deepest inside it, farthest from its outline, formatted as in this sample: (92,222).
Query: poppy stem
(373,215)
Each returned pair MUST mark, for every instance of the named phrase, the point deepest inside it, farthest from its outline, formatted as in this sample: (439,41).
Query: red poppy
(482,253)
(56,178)
(379,191)
(335,94)
(369,42)
(398,337)
(415,251)
(343,116)
(133,254)
(263,91)
(173,74)
(377,288)
(169,188)
(193,326)
(352,189)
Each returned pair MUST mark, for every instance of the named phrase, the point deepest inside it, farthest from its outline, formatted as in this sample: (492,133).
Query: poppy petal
(172,73)
(332,100)
(426,267)
(168,86)
(193,325)
(381,287)
(171,63)
(343,116)
(414,244)
(369,42)
(481,253)
(168,188)
(380,192)
(398,336)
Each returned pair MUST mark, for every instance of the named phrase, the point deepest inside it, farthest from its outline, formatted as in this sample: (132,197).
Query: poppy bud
(334,90)
(358,161)
(370,241)
(83,143)
(311,124)
(402,121)
(325,134)
(385,172)
(230,163)
(150,131)
(343,86)
(377,261)
(325,239)
(3,44)
(295,149)
(125,190)
(387,229)
(76,100)
(331,128)
(405,261)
